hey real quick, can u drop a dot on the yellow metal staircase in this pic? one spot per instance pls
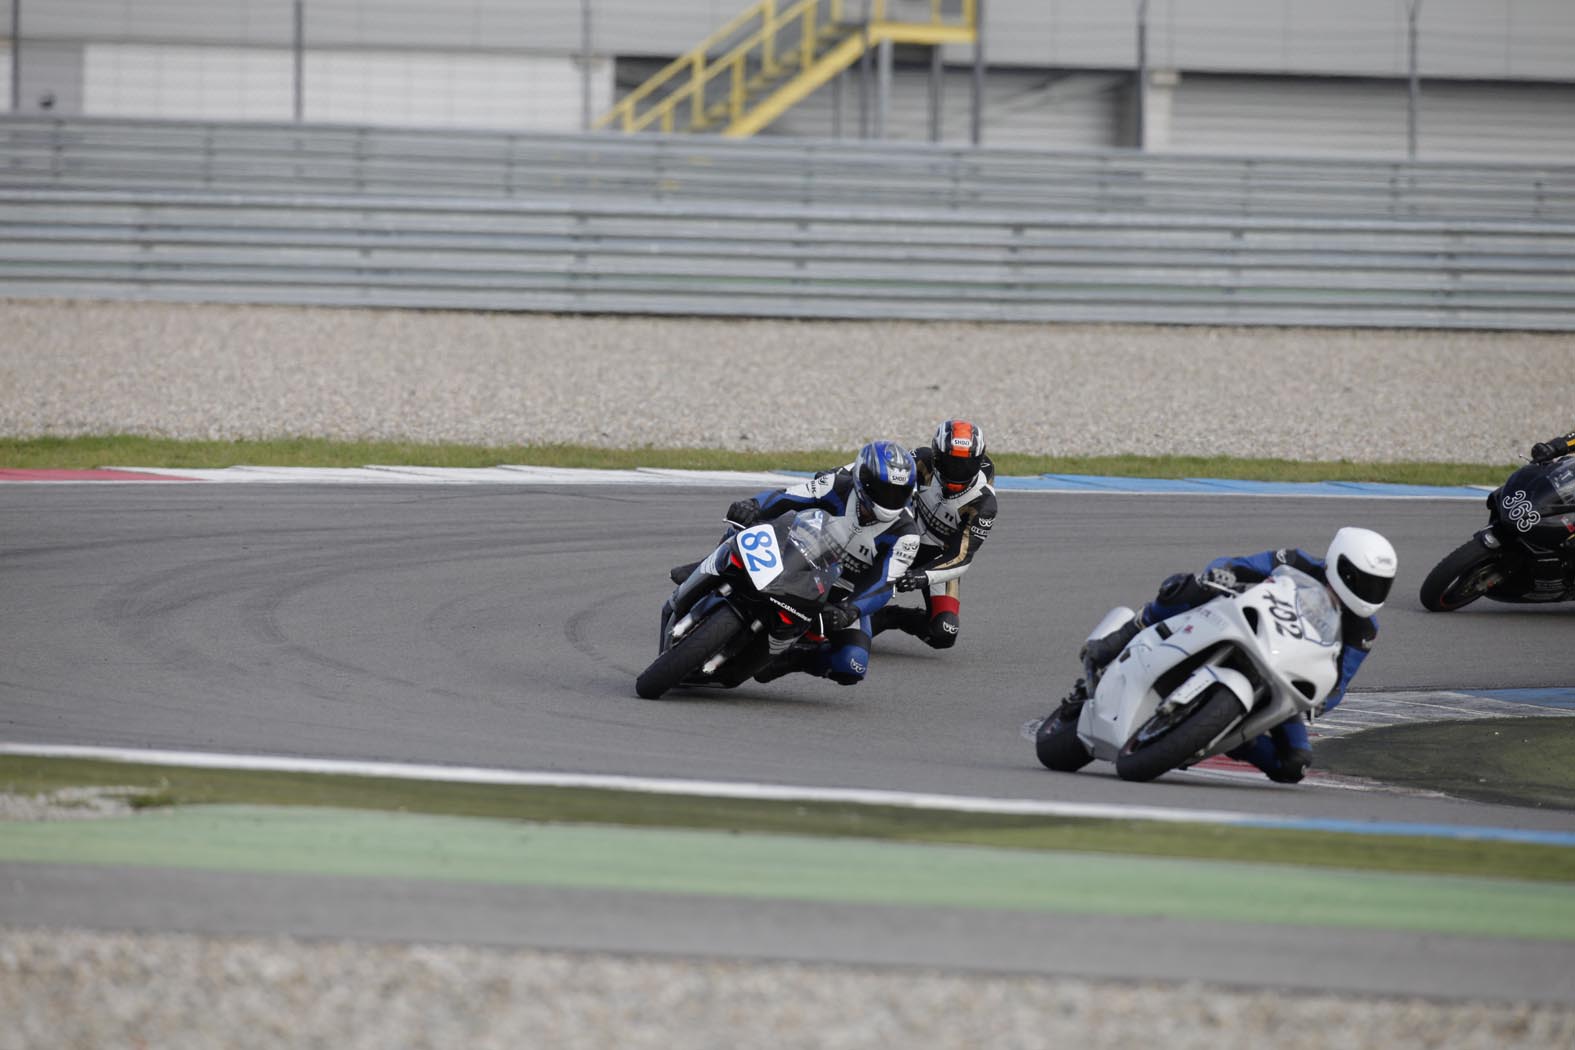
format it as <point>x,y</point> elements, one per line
<point>773,55</point>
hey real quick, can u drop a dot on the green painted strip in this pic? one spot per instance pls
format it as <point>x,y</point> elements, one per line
<point>389,845</point>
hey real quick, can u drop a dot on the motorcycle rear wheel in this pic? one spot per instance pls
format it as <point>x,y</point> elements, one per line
<point>1174,742</point>
<point>1057,745</point>
<point>686,656</point>
<point>1464,575</point>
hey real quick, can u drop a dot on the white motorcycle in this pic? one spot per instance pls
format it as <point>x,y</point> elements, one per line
<point>1204,681</point>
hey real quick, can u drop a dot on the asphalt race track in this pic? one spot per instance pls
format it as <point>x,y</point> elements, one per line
<point>503,626</point>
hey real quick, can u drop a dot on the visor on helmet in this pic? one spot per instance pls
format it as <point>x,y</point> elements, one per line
<point>957,470</point>
<point>1365,585</point>
<point>891,496</point>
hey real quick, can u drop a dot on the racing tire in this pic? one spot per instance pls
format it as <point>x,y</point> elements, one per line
<point>687,655</point>
<point>1464,575</point>
<point>1178,736</point>
<point>1057,745</point>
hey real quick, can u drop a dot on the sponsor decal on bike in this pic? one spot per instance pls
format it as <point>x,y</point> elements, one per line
<point>788,609</point>
<point>1518,509</point>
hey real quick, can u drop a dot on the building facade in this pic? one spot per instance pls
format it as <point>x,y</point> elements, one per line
<point>1435,79</point>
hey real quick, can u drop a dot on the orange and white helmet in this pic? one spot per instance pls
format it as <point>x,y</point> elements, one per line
<point>959,453</point>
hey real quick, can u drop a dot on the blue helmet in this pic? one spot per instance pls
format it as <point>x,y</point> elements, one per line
<point>884,476</point>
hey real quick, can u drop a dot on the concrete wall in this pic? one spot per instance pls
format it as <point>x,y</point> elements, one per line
<point>1277,76</point>
<point>1496,39</point>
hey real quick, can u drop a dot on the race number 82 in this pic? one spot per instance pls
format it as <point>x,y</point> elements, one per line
<point>759,545</point>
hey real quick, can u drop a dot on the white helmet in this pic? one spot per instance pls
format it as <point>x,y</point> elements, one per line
<point>1360,566</point>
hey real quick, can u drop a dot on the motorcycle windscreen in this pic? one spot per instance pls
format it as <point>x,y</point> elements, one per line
<point>817,542</point>
<point>1315,606</point>
<point>1538,503</point>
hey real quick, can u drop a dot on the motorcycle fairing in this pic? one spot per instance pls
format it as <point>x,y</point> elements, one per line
<point>1223,640</point>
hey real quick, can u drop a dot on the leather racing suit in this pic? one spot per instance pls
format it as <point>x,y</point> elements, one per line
<point>1283,753</point>
<point>877,554</point>
<point>954,528</point>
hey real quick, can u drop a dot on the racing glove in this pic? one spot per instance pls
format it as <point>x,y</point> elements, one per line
<point>838,616</point>
<point>743,513</point>
<point>1544,451</point>
<point>912,581</point>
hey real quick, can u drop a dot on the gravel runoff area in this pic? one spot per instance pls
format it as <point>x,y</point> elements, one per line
<point>92,990</point>
<point>225,372</point>
<point>228,372</point>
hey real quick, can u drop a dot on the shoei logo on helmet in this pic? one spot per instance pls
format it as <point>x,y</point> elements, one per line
<point>896,465</point>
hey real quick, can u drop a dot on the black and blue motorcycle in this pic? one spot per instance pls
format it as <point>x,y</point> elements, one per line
<point>1527,551</point>
<point>761,590</point>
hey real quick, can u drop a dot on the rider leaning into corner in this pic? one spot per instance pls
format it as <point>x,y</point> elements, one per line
<point>1359,568</point>
<point>873,493</point>
<point>1551,449</point>
<point>955,505</point>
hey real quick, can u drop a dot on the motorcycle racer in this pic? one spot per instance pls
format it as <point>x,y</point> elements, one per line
<point>873,493</point>
<point>1359,567</point>
<point>956,506</point>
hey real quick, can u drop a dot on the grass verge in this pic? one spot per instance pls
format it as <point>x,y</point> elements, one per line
<point>168,785</point>
<point>1512,761</point>
<point>81,453</point>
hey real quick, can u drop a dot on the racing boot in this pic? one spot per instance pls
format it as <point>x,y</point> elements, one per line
<point>1100,651</point>
<point>1072,703</point>
<point>805,658</point>
<point>679,573</point>
<point>913,621</point>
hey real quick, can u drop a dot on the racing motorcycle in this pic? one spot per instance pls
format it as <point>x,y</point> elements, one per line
<point>1527,551</point>
<point>747,603</point>
<point>1204,681</point>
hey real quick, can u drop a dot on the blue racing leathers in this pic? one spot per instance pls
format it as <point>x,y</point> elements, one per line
<point>1284,752</point>
<point>877,553</point>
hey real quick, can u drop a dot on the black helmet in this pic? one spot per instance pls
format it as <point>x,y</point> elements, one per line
<point>884,478</point>
<point>959,453</point>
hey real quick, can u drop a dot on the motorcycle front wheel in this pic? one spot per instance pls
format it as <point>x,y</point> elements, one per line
<point>1169,739</point>
<point>1466,574</point>
<point>689,653</point>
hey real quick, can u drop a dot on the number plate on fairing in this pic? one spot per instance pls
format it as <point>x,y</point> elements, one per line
<point>762,560</point>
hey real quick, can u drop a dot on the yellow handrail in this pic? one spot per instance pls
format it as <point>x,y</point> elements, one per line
<point>705,72</point>
<point>699,70</point>
<point>695,56</point>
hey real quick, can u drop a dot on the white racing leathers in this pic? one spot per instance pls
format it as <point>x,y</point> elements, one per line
<point>955,527</point>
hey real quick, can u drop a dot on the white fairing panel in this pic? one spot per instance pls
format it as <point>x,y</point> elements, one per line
<point>1284,626</point>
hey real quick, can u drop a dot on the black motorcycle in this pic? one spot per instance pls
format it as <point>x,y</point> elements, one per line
<point>759,592</point>
<point>1527,551</point>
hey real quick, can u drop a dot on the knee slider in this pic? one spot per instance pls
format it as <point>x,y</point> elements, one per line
<point>1293,766</point>
<point>849,664</point>
<point>943,631</point>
